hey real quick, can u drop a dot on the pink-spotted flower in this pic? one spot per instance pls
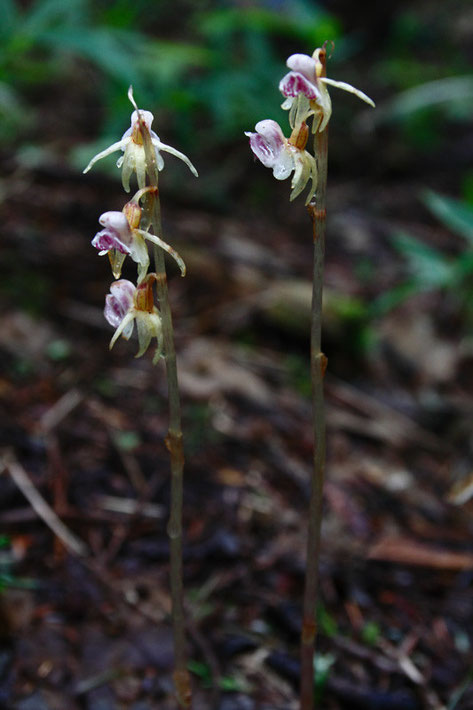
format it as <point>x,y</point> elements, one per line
<point>285,156</point>
<point>131,143</point>
<point>306,80</point>
<point>121,237</point>
<point>127,304</point>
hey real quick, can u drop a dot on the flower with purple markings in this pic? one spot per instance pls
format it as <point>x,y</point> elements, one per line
<point>121,237</point>
<point>127,304</point>
<point>118,240</point>
<point>305,79</point>
<point>285,156</point>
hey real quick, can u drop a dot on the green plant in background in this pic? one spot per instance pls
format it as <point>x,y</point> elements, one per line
<point>429,89</point>
<point>8,579</point>
<point>307,99</point>
<point>199,63</point>
<point>432,269</point>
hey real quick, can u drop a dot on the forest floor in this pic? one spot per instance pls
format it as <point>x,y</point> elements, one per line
<point>86,626</point>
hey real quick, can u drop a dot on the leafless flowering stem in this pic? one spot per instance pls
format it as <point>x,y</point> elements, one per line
<point>174,437</point>
<point>318,363</point>
<point>306,97</point>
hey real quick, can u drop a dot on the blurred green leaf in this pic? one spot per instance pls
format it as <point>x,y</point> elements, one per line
<point>327,622</point>
<point>9,15</point>
<point>112,51</point>
<point>453,94</point>
<point>46,13</point>
<point>454,214</point>
<point>127,440</point>
<point>58,350</point>
<point>430,268</point>
<point>323,663</point>
<point>370,633</point>
<point>391,298</point>
<point>308,22</point>
<point>201,670</point>
<point>230,684</point>
<point>166,61</point>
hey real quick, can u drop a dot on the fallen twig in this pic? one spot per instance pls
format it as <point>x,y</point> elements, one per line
<point>41,507</point>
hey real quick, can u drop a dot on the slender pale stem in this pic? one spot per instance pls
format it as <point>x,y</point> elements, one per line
<point>318,363</point>
<point>173,439</point>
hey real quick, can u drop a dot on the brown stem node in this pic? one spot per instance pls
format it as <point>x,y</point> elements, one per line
<point>183,688</point>
<point>309,631</point>
<point>174,444</point>
<point>323,362</point>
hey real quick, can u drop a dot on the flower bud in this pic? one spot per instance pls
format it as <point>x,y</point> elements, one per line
<point>144,299</point>
<point>299,136</point>
<point>132,212</point>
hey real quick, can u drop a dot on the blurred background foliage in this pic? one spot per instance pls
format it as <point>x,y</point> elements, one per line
<point>210,70</point>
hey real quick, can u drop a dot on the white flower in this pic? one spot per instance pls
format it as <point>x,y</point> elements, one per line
<point>131,143</point>
<point>121,236</point>
<point>117,239</point>
<point>283,156</point>
<point>305,78</point>
<point>126,305</point>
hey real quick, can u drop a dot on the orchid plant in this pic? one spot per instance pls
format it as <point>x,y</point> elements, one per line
<point>306,97</point>
<point>127,233</point>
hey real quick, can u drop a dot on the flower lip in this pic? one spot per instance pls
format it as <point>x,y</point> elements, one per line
<point>295,83</point>
<point>109,239</point>
<point>285,156</point>
<point>119,301</point>
<point>268,142</point>
<point>116,235</point>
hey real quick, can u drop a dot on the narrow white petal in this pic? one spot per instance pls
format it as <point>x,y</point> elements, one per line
<point>348,87</point>
<point>120,145</point>
<point>314,178</point>
<point>144,327</point>
<point>131,98</point>
<point>287,103</point>
<point>161,243</point>
<point>300,177</point>
<point>123,325</point>
<point>162,146</point>
<point>139,254</point>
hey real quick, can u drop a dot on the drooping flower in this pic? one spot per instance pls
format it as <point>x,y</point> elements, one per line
<point>121,236</point>
<point>306,79</point>
<point>131,143</point>
<point>127,304</point>
<point>285,156</point>
<point>117,239</point>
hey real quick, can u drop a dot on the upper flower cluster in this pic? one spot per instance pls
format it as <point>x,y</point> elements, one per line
<point>122,235</point>
<point>306,96</point>
<point>307,78</point>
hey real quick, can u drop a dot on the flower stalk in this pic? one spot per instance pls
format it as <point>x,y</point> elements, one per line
<point>318,364</point>
<point>307,98</point>
<point>174,441</point>
<point>127,233</point>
